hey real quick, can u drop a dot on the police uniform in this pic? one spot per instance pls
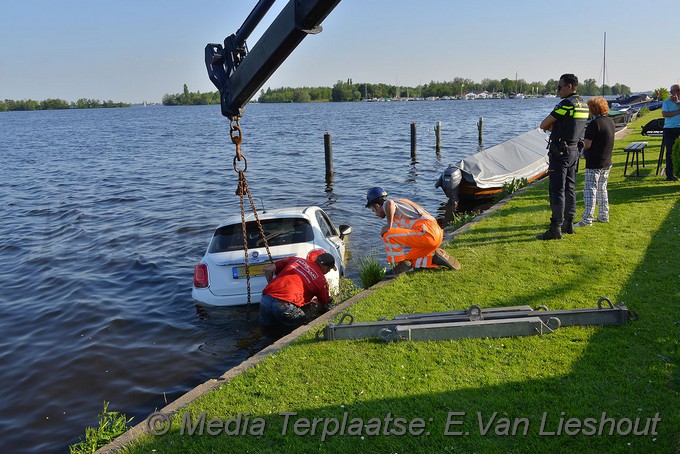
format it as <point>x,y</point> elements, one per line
<point>571,115</point>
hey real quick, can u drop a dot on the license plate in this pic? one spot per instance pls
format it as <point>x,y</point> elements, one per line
<point>255,270</point>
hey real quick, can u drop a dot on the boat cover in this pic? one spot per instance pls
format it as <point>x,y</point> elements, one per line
<point>524,156</point>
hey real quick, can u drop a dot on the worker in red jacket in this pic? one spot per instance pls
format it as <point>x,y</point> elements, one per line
<point>292,283</point>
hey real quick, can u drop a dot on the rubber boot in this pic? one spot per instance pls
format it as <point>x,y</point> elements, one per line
<point>553,233</point>
<point>568,226</point>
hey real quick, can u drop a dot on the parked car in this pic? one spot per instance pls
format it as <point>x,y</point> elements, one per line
<point>220,277</point>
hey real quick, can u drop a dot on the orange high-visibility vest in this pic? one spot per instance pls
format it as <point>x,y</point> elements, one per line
<point>414,235</point>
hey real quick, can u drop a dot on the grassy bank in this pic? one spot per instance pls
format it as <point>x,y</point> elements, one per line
<point>506,395</point>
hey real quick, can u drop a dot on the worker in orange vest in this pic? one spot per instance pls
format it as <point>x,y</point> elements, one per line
<point>412,236</point>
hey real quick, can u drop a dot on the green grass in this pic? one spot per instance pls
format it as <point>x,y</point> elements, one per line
<point>628,371</point>
<point>347,289</point>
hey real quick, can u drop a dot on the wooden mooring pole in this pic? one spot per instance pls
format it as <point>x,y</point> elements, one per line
<point>328,153</point>
<point>438,136</point>
<point>413,141</point>
<point>480,126</point>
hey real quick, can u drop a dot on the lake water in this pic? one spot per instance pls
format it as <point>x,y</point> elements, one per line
<point>105,212</point>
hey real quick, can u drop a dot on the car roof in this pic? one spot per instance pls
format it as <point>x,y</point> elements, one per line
<point>288,212</point>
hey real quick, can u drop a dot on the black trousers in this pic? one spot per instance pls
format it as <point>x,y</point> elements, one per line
<point>670,135</point>
<point>562,174</point>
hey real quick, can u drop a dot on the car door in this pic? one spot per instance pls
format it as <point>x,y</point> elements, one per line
<point>332,236</point>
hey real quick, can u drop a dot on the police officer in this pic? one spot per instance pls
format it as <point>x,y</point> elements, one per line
<point>566,124</point>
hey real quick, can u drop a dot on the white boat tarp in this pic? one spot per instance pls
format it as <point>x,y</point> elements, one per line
<point>524,156</point>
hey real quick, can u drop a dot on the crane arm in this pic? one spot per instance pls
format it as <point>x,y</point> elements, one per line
<point>238,73</point>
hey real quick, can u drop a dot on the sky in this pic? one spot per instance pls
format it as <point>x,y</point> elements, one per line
<point>138,50</point>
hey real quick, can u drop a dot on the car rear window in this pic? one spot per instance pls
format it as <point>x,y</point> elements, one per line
<point>278,232</point>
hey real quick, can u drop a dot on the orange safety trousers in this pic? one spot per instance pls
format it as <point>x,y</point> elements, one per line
<point>416,244</point>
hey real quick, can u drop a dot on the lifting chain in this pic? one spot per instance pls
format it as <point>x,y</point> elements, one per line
<point>242,189</point>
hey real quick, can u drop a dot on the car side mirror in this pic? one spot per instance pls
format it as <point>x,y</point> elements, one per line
<point>345,230</point>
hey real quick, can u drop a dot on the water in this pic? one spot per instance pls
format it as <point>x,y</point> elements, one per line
<point>105,212</point>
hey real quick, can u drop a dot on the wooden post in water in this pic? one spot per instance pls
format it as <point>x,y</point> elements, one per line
<point>328,153</point>
<point>438,136</point>
<point>413,141</point>
<point>480,126</point>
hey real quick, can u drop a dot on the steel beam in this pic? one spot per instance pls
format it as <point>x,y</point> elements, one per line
<point>501,320</point>
<point>347,329</point>
<point>526,326</point>
<point>471,311</point>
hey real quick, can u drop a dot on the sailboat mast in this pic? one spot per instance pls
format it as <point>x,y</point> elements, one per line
<point>604,62</point>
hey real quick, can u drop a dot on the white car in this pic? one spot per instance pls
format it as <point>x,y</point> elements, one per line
<point>220,277</point>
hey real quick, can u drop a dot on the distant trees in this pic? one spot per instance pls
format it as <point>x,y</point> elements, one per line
<point>662,93</point>
<point>300,95</point>
<point>187,98</point>
<point>345,91</point>
<point>589,87</point>
<point>56,104</point>
<point>288,94</point>
<point>340,92</point>
<point>460,86</point>
<point>349,91</point>
<point>620,89</point>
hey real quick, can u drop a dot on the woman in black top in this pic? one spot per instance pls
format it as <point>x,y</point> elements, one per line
<point>599,144</point>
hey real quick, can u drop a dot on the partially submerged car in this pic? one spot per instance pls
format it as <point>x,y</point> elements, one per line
<point>220,277</point>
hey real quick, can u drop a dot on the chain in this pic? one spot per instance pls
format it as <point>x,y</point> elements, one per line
<point>236,135</point>
<point>242,189</point>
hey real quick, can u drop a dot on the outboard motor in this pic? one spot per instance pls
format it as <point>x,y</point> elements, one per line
<point>449,181</point>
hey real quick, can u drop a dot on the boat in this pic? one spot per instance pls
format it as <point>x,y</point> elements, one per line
<point>516,94</point>
<point>484,174</point>
<point>631,100</point>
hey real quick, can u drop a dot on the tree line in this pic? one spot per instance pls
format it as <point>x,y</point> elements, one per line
<point>458,87</point>
<point>187,98</point>
<point>54,104</point>
<point>344,91</point>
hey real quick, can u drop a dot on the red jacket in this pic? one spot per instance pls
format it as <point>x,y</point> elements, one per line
<point>297,281</point>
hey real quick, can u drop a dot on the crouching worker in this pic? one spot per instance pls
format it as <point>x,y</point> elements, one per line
<point>412,236</point>
<point>292,283</point>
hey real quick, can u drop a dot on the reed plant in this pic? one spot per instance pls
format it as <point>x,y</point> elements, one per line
<point>459,220</point>
<point>514,186</point>
<point>371,271</point>
<point>111,425</point>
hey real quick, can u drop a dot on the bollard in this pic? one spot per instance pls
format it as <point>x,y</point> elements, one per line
<point>328,149</point>
<point>413,141</point>
<point>438,136</point>
<point>480,126</point>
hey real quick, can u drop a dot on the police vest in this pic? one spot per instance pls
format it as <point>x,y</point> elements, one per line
<point>571,114</point>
